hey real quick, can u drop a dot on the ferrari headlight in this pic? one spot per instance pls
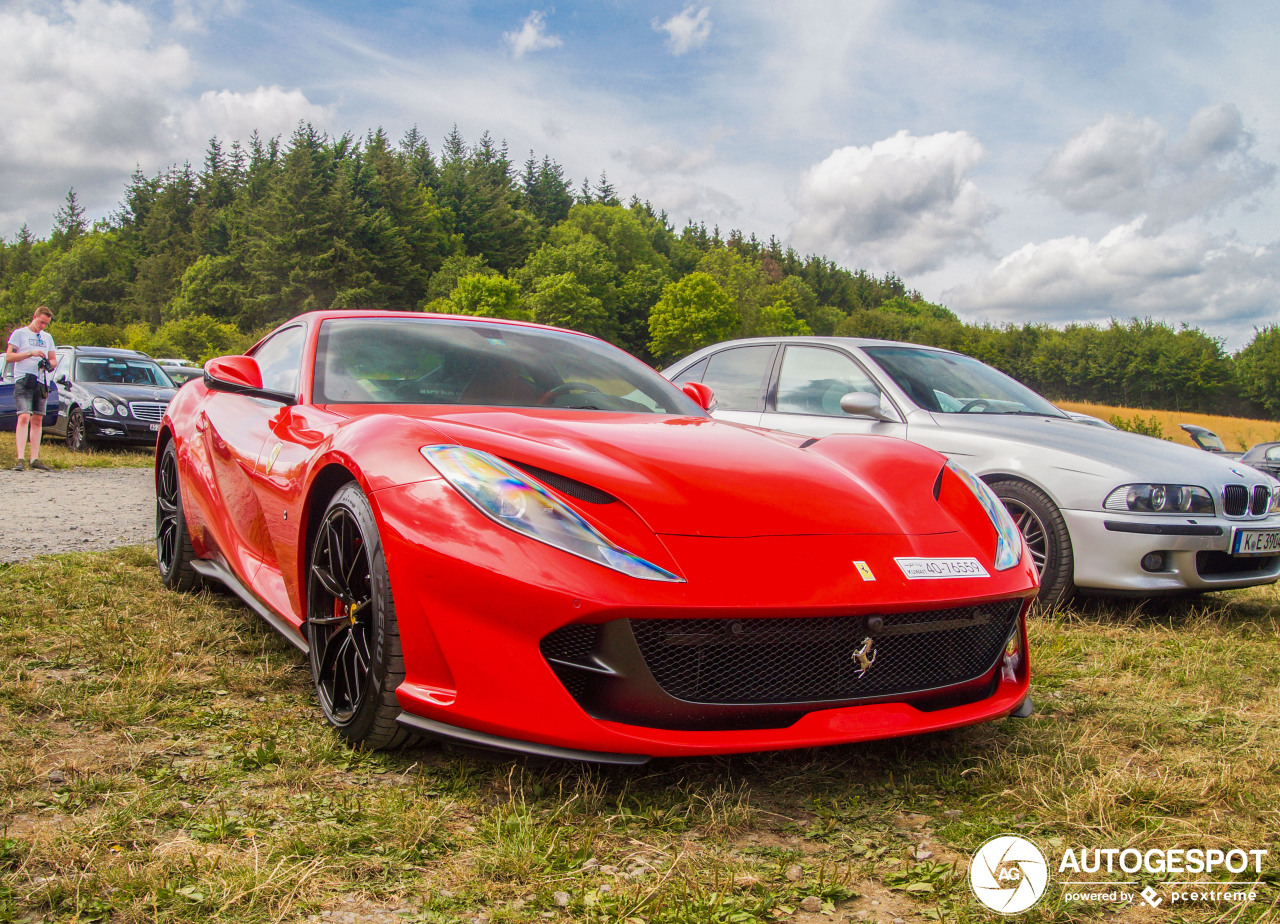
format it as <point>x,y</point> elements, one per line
<point>1008,538</point>
<point>1161,498</point>
<point>103,407</point>
<point>509,497</point>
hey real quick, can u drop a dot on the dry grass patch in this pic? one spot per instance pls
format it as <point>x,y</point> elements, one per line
<point>164,761</point>
<point>1237,433</point>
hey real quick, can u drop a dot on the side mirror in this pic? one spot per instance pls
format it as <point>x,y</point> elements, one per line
<point>240,375</point>
<point>701,394</point>
<point>863,404</point>
<point>61,379</point>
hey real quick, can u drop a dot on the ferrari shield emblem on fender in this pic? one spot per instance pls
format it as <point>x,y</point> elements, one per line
<point>271,460</point>
<point>865,656</point>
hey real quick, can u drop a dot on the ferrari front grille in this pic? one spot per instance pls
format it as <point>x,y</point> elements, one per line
<point>691,673</point>
<point>816,659</point>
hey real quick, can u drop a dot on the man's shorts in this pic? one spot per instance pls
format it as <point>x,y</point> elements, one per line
<point>25,398</point>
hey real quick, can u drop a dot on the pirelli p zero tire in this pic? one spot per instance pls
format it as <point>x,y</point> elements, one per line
<point>174,553</point>
<point>356,659</point>
<point>1046,536</point>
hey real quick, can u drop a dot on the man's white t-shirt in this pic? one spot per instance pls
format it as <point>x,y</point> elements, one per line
<point>23,339</point>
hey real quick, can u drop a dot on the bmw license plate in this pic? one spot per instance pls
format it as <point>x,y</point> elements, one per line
<point>1256,542</point>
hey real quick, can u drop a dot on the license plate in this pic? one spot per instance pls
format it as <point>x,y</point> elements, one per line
<point>155,428</point>
<point>1256,542</point>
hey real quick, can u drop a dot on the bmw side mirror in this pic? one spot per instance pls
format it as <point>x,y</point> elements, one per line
<point>240,375</point>
<point>863,404</point>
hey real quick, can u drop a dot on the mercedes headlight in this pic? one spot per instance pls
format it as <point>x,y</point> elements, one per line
<point>103,407</point>
<point>1161,498</point>
<point>512,499</point>
<point>1008,538</point>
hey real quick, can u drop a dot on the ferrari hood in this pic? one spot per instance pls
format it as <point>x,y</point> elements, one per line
<point>703,477</point>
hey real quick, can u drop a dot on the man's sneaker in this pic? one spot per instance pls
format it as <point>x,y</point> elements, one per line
<point>21,466</point>
<point>40,466</point>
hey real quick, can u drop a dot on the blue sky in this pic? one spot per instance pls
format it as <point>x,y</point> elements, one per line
<point>1016,162</point>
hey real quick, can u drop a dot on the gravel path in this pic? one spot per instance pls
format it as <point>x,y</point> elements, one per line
<point>75,510</point>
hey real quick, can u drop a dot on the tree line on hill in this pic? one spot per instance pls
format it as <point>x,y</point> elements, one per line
<point>202,262</point>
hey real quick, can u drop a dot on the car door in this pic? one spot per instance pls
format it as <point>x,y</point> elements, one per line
<point>232,430</point>
<point>739,378</point>
<point>806,393</point>
<point>8,409</point>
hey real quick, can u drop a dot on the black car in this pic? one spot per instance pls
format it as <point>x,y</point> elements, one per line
<point>9,410</point>
<point>109,396</point>
<point>180,375</point>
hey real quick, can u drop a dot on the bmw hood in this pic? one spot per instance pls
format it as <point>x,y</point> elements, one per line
<point>1069,444</point>
<point>703,477</point>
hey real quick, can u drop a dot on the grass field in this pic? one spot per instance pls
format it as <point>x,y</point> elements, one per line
<point>164,760</point>
<point>1238,433</point>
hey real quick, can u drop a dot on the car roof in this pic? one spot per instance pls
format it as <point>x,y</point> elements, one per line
<point>830,341</point>
<point>108,351</point>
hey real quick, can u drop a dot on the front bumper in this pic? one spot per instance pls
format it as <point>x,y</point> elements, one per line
<point>483,617</point>
<point>121,430</point>
<point>1109,548</point>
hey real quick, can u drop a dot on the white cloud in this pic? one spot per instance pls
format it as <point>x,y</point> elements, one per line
<point>532,36</point>
<point>1215,283</point>
<point>687,30</point>
<point>1124,166</point>
<point>904,204</point>
<point>90,94</point>
<point>235,116</point>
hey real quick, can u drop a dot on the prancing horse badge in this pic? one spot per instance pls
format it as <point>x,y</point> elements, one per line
<point>865,656</point>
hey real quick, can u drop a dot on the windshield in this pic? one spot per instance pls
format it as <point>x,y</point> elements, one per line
<point>112,370</point>
<point>434,361</point>
<point>955,384</point>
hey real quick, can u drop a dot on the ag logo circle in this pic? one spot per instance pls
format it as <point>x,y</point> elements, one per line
<point>1008,874</point>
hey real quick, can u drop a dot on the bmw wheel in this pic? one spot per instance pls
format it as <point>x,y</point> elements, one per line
<point>174,553</point>
<point>356,660</point>
<point>1045,533</point>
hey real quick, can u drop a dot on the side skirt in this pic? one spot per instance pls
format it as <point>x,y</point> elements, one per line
<point>485,740</point>
<point>216,571</point>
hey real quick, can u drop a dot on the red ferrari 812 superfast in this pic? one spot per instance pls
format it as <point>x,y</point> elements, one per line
<point>522,537</point>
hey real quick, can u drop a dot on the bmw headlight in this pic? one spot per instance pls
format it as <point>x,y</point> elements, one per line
<point>1008,538</point>
<point>103,407</point>
<point>509,497</point>
<point>1161,498</point>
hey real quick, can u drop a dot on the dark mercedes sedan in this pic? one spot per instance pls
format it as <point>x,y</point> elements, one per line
<point>109,396</point>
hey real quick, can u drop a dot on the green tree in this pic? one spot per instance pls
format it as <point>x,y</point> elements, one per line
<point>1257,369</point>
<point>692,313</point>
<point>563,301</point>
<point>489,296</point>
<point>778,320</point>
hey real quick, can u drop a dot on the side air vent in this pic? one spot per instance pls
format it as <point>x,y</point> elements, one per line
<point>574,489</point>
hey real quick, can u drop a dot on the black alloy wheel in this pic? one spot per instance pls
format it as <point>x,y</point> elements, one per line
<point>356,660</point>
<point>174,553</point>
<point>75,438</point>
<point>1045,533</point>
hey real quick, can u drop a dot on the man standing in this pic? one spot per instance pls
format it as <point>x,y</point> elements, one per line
<point>31,353</point>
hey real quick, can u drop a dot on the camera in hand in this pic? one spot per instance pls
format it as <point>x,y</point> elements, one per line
<point>43,365</point>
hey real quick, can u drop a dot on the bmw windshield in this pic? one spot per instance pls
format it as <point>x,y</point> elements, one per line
<point>950,383</point>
